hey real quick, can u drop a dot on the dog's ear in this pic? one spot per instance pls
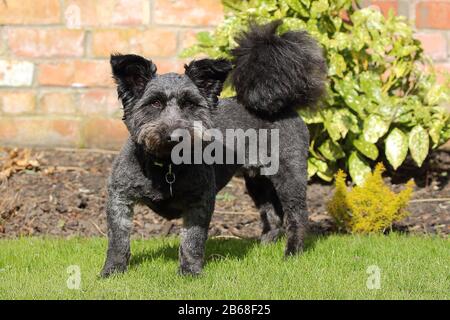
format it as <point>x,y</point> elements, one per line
<point>209,76</point>
<point>131,74</point>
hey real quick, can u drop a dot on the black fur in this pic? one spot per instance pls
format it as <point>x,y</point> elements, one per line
<point>274,72</point>
<point>131,73</point>
<point>209,75</point>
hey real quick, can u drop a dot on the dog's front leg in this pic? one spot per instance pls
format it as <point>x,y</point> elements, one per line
<point>193,241</point>
<point>119,217</point>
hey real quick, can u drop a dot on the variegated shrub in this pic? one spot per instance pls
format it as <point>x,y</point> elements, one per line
<point>383,101</point>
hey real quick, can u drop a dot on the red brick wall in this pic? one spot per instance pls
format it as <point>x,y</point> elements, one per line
<point>55,83</point>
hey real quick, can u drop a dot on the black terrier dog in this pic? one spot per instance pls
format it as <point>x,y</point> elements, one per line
<point>272,75</point>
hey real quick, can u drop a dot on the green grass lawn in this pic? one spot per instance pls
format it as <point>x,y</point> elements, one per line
<point>334,267</point>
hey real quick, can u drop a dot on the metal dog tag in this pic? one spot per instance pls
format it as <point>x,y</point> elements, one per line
<point>170,179</point>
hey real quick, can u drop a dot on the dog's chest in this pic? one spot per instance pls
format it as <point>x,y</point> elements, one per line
<point>171,195</point>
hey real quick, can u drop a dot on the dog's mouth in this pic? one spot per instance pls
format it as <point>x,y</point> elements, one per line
<point>160,140</point>
<point>156,143</point>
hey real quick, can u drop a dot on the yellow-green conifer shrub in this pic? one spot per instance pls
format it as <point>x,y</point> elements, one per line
<point>368,208</point>
<point>338,206</point>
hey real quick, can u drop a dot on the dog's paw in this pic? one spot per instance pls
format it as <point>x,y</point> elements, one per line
<point>189,271</point>
<point>110,269</point>
<point>271,236</point>
<point>293,250</point>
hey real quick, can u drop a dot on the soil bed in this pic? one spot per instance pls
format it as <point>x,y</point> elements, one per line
<point>64,195</point>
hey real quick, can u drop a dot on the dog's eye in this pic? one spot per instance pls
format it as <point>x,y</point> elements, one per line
<point>156,104</point>
<point>189,104</point>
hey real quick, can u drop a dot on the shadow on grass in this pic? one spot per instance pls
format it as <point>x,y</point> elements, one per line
<point>216,249</point>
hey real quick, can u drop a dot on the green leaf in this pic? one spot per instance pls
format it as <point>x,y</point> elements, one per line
<point>358,168</point>
<point>191,51</point>
<point>334,124</point>
<point>407,50</point>
<point>360,38</point>
<point>312,169</point>
<point>435,131</point>
<point>350,120</point>
<point>389,107</point>
<point>396,147</point>
<point>204,38</point>
<point>326,176</point>
<point>321,168</point>
<point>310,115</point>
<point>232,5</point>
<point>347,90</point>
<point>325,171</point>
<point>337,65</point>
<point>292,24</point>
<point>331,151</point>
<point>374,128</point>
<point>370,84</point>
<point>307,3</point>
<point>269,5</point>
<point>297,6</point>
<point>319,164</point>
<point>419,144</point>
<point>337,21</point>
<point>445,135</point>
<point>436,94</point>
<point>318,6</point>
<point>368,149</point>
<point>340,41</point>
<point>400,69</point>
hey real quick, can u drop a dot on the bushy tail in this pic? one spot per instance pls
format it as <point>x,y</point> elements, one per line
<point>274,72</point>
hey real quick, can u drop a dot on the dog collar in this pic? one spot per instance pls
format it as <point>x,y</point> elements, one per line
<point>169,176</point>
<point>159,164</point>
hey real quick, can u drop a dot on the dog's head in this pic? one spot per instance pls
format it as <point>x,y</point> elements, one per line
<point>157,105</point>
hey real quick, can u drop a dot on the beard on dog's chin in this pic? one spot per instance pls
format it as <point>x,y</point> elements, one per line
<point>159,139</point>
